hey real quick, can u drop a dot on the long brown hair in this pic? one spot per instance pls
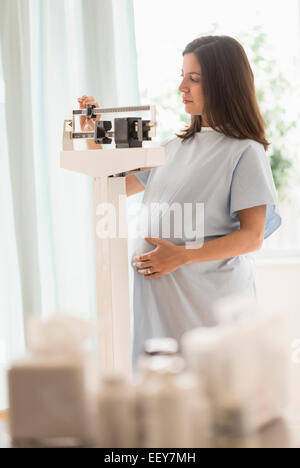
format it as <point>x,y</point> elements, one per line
<point>230,102</point>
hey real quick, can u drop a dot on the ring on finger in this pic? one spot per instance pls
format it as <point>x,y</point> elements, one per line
<point>146,271</point>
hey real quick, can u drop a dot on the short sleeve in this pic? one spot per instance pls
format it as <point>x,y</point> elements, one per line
<point>253,185</point>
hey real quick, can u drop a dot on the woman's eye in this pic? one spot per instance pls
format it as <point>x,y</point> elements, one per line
<point>195,81</point>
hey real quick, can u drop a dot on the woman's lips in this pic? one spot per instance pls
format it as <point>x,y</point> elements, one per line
<point>185,101</point>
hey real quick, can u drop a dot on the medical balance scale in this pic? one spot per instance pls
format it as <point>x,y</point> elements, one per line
<point>108,168</point>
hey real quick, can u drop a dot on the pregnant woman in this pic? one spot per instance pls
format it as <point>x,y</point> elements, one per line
<point>219,162</point>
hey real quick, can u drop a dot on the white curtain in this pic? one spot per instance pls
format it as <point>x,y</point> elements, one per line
<point>52,51</point>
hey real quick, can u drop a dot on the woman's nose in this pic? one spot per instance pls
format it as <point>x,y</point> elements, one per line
<point>182,89</point>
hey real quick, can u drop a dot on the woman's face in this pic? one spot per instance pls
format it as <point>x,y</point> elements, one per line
<point>191,85</point>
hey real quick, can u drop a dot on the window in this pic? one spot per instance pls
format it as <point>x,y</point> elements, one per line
<point>277,24</point>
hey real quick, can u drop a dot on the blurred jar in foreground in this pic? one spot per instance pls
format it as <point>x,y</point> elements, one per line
<point>116,420</point>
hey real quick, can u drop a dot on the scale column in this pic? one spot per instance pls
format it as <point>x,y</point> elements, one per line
<point>112,275</point>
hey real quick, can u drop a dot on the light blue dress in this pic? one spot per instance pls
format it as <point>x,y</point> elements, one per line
<point>226,175</point>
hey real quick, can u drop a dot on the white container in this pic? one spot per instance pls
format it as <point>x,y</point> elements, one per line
<point>50,399</point>
<point>245,362</point>
<point>163,419</point>
<point>146,382</point>
<point>198,410</point>
<point>52,390</point>
<point>116,412</point>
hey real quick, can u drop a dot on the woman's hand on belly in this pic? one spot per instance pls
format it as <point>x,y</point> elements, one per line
<point>166,258</point>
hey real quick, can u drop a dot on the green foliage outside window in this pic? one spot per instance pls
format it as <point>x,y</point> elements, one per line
<point>271,85</point>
